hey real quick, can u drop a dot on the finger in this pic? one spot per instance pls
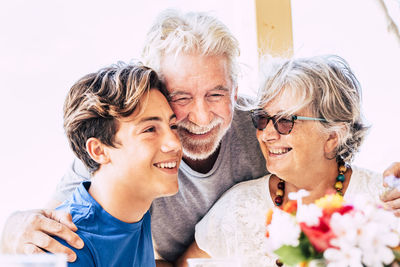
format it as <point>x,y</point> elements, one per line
<point>30,249</point>
<point>393,169</point>
<point>54,228</point>
<point>43,241</point>
<point>396,213</point>
<point>390,195</point>
<point>384,183</point>
<point>393,204</point>
<point>62,217</point>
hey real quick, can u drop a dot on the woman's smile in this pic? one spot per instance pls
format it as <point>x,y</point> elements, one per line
<point>278,151</point>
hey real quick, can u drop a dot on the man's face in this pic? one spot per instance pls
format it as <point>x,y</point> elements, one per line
<point>148,151</point>
<point>202,97</point>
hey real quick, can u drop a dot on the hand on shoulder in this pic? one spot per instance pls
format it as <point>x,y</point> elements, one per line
<point>28,232</point>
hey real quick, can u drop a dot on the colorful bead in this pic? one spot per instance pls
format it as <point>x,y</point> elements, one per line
<point>340,178</point>
<point>281,185</point>
<point>342,168</point>
<point>278,200</point>
<point>338,185</point>
<point>279,192</point>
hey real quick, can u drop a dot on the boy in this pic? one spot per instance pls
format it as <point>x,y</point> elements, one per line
<point>119,123</point>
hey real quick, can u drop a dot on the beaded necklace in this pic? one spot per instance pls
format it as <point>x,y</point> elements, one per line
<point>338,187</point>
<point>280,193</point>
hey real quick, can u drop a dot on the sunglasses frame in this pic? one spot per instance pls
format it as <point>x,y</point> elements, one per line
<point>262,113</point>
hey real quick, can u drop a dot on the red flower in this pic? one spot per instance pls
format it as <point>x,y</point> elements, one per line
<point>319,236</point>
<point>345,209</point>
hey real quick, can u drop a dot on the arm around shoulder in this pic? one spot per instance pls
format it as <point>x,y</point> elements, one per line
<point>27,232</point>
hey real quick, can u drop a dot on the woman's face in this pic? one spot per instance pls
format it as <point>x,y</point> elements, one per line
<point>302,150</point>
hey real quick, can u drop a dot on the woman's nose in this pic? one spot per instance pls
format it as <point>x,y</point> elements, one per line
<point>269,133</point>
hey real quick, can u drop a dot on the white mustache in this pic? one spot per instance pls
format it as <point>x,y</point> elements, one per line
<point>195,129</point>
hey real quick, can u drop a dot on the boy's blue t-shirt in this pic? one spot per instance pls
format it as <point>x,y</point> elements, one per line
<point>108,241</point>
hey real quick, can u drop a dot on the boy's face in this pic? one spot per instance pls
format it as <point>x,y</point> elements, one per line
<point>148,151</point>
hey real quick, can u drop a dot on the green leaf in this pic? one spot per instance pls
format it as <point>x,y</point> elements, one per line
<point>308,250</point>
<point>396,255</point>
<point>290,255</point>
<point>294,255</point>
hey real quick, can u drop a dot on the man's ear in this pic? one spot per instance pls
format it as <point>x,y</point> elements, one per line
<point>331,144</point>
<point>97,150</point>
<point>236,92</point>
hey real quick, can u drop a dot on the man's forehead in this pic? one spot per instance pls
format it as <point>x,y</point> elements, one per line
<point>195,73</point>
<point>194,65</point>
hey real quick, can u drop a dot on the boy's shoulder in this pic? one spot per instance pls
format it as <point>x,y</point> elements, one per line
<point>108,241</point>
<point>84,256</point>
<point>80,205</point>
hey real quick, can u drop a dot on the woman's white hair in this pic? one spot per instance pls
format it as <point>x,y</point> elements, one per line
<point>325,85</point>
<point>174,32</point>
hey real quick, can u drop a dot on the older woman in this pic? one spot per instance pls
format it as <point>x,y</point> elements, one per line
<point>309,127</point>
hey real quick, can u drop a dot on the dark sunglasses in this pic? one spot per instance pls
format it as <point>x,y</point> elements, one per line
<point>282,125</point>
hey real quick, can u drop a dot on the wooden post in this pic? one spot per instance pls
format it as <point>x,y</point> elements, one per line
<point>274,27</point>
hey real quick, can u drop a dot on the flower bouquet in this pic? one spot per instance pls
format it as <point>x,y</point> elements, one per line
<point>333,232</point>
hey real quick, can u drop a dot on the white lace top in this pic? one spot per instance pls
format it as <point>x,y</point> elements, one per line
<point>235,226</point>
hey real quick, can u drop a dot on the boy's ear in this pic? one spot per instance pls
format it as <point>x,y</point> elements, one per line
<point>97,150</point>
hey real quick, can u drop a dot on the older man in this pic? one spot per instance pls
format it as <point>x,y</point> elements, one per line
<point>196,56</point>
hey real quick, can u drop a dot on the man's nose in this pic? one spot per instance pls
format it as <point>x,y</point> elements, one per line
<point>200,113</point>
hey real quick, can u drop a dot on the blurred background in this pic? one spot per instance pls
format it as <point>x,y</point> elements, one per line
<point>46,45</point>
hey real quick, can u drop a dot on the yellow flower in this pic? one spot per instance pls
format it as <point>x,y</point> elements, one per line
<point>330,202</point>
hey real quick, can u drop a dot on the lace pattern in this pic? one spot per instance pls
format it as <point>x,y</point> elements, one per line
<point>235,226</point>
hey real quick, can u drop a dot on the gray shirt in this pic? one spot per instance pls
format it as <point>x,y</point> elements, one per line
<point>173,218</point>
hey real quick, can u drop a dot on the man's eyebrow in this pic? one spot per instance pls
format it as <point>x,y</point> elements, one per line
<point>220,88</point>
<point>178,93</point>
<point>216,88</point>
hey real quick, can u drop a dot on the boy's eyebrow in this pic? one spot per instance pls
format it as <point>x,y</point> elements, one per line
<point>155,118</point>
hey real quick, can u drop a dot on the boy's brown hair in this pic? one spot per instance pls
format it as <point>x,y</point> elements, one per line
<point>95,102</point>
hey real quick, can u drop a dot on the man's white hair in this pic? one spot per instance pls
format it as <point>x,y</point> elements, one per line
<point>199,33</point>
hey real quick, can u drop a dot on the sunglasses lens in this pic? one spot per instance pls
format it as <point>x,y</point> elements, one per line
<point>284,126</point>
<point>259,121</point>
